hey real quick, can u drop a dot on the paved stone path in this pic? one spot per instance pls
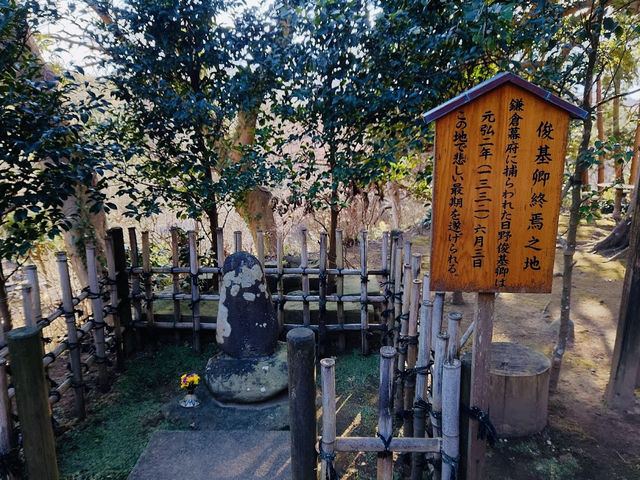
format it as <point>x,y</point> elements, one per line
<point>215,455</point>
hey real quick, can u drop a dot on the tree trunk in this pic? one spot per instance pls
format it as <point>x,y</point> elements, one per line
<point>333,226</point>
<point>636,146</point>
<point>256,208</point>
<point>5,311</point>
<point>625,365</point>
<point>396,209</point>
<point>618,239</point>
<point>617,204</point>
<point>576,200</point>
<point>212,216</point>
<point>600,123</point>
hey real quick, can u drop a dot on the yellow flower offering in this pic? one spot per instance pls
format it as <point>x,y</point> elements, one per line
<point>189,380</point>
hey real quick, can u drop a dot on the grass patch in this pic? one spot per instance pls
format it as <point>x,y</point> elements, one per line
<point>107,445</point>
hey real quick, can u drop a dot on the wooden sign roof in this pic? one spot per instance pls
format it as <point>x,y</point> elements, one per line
<point>491,84</point>
<point>499,162</point>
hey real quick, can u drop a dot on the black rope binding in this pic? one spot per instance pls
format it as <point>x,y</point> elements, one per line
<point>386,442</point>
<point>486,430</point>
<point>328,457</point>
<point>453,462</point>
<point>422,404</point>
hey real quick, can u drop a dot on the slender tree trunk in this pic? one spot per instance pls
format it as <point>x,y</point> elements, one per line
<point>600,123</point>
<point>5,311</point>
<point>618,165</point>
<point>636,146</point>
<point>396,209</point>
<point>576,199</point>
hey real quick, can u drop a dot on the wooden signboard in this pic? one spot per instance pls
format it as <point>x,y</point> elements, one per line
<point>497,185</point>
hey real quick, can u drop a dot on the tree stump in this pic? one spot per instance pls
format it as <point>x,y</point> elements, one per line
<point>519,389</point>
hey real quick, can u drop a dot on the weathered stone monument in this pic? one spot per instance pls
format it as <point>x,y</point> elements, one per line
<point>252,366</point>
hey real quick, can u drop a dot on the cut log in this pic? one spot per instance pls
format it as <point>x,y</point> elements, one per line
<point>519,389</point>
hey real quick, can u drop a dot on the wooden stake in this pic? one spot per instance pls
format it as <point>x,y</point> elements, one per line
<point>175,263</point>
<point>385,404</point>
<point>397,290</point>
<point>412,354</point>
<point>322,301</point>
<point>327,372</point>
<point>364,321</point>
<point>302,402</point>
<point>404,333</point>
<point>7,438</point>
<point>148,285</point>
<point>340,287</point>
<point>195,290</point>
<point>304,264</point>
<point>26,351</point>
<point>280,285</point>
<point>114,301</point>
<point>122,283</point>
<point>98,317</point>
<point>32,278</point>
<point>135,278</point>
<point>451,371</point>
<point>480,374</point>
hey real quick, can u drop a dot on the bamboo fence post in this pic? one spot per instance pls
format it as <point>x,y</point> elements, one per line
<point>237,241</point>
<point>98,317</point>
<point>436,385</point>
<point>385,405</point>
<point>342,340</point>
<point>122,283</point>
<point>384,283</point>
<point>364,279</point>
<point>7,440</point>
<point>27,306</point>
<point>412,354</point>
<point>322,300</point>
<point>302,402</point>
<point>451,371</point>
<point>148,285</point>
<point>175,262</point>
<point>328,439</point>
<point>397,290</point>
<point>195,290</point>
<point>260,246</point>
<point>407,252</point>
<point>135,277</point>
<point>304,264</point>
<point>32,398</point>
<point>453,329</point>
<point>422,364</point>
<point>220,255</point>
<point>436,318</point>
<point>403,341</point>
<point>72,333</point>
<point>114,301</point>
<point>32,278</point>
<point>280,284</point>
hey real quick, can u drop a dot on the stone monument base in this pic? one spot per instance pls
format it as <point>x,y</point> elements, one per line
<point>247,380</point>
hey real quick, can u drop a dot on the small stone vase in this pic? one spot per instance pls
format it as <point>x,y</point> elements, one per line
<point>190,400</point>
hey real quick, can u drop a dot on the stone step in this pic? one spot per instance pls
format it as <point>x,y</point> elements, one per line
<point>215,455</point>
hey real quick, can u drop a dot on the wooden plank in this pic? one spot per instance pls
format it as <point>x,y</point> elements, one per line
<point>497,186</point>
<point>480,380</point>
<point>398,444</point>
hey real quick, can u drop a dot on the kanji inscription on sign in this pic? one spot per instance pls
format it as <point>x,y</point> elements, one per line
<point>499,166</point>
